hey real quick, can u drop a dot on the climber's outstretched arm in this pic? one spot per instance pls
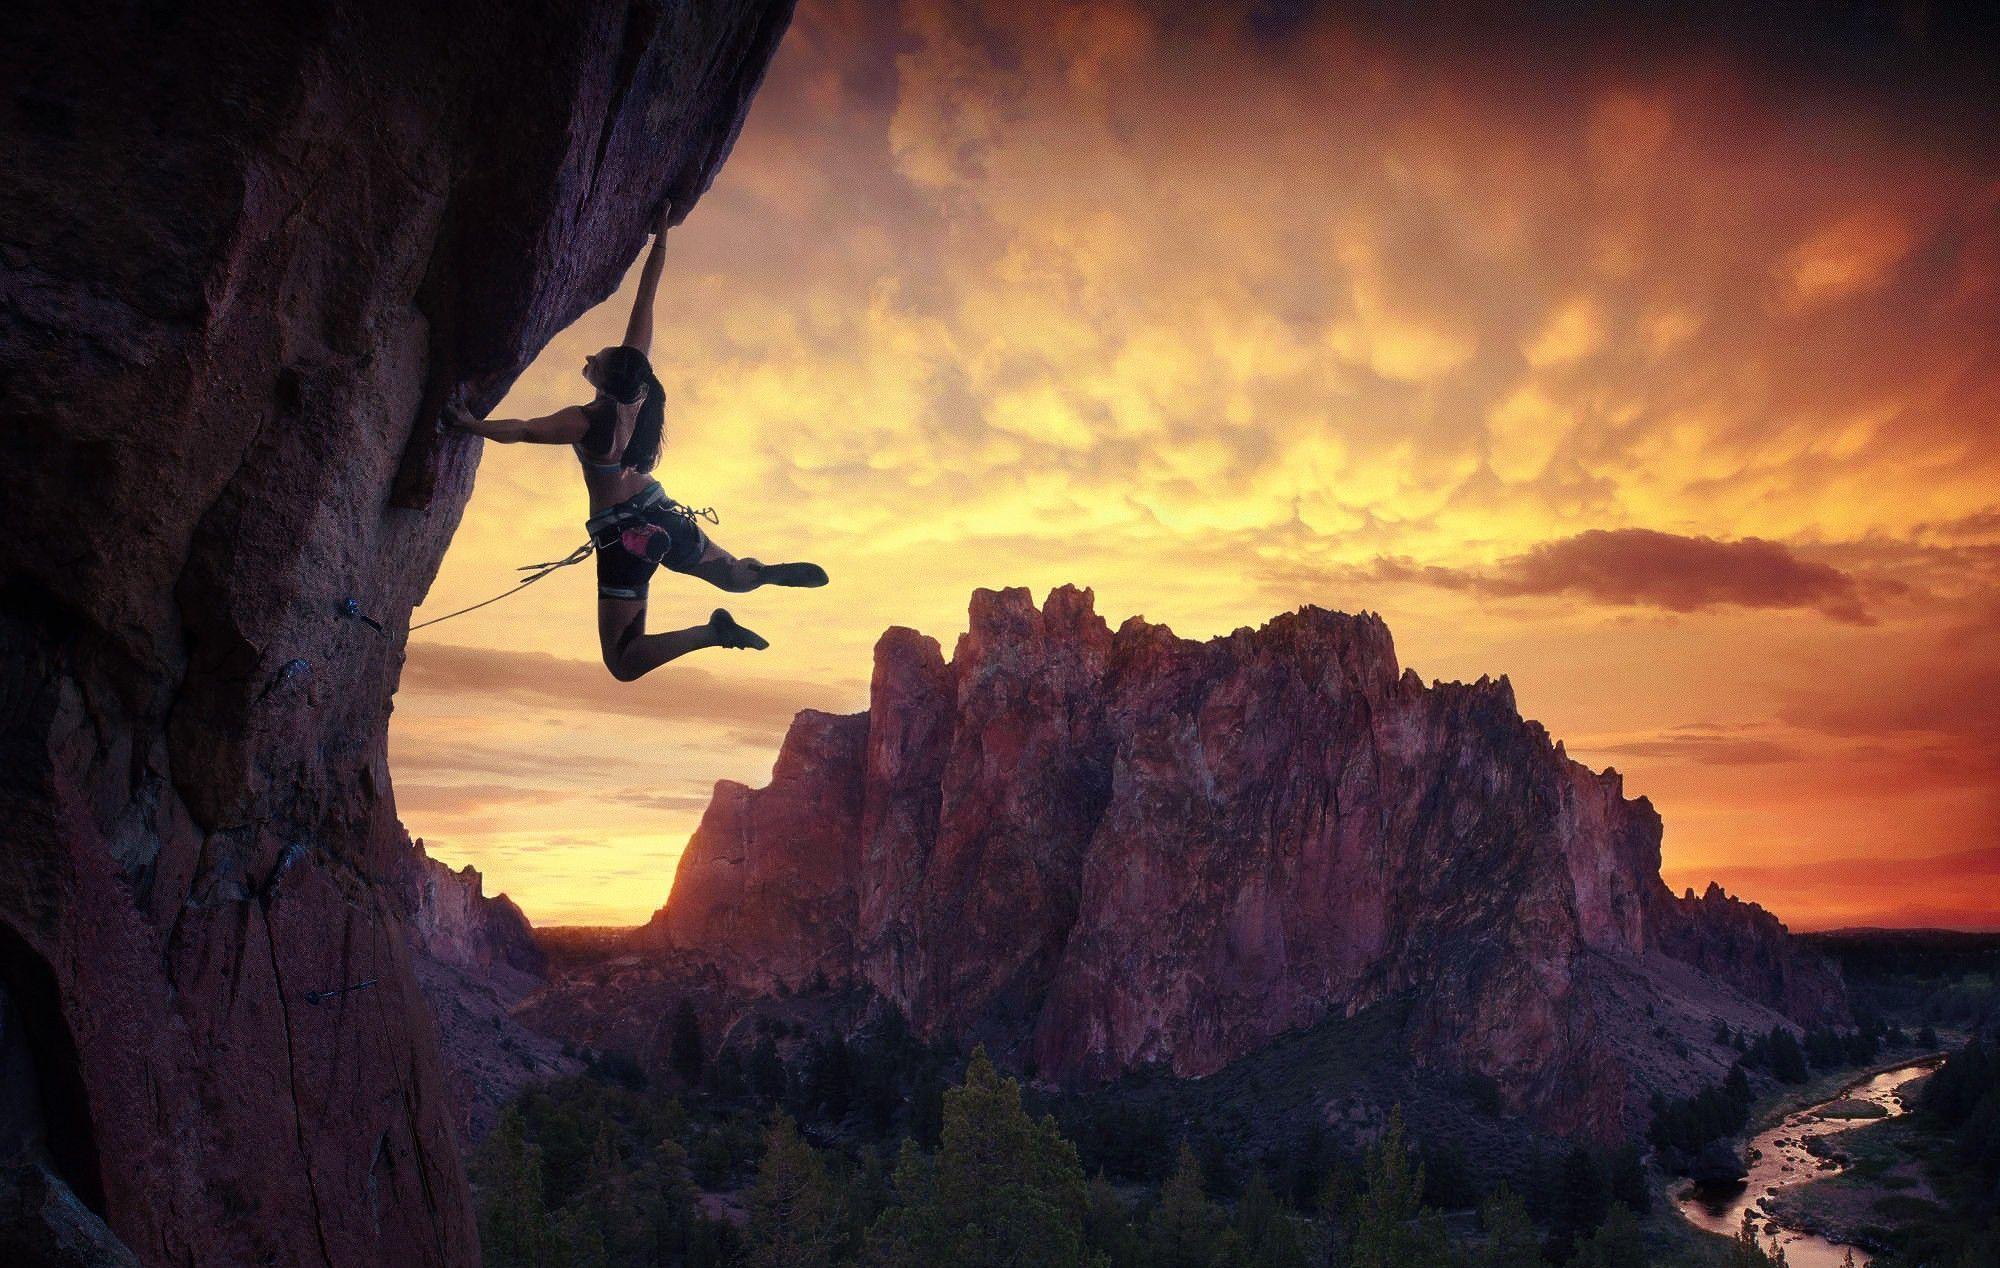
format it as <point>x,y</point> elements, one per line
<point>639,330</point>
<point>564,427</point>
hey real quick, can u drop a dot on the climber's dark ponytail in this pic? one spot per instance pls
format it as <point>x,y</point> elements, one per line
<point>626,373</point>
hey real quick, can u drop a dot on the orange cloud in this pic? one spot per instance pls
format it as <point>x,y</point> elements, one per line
<point>575,686</point>
<point>1657,357</point>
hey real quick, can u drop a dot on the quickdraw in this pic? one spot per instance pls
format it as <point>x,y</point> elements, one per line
<point>320,997</point>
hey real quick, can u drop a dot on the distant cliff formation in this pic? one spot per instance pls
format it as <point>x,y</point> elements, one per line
<point>451,920</point>
<point>476,959</point>
<point>1095,849</point>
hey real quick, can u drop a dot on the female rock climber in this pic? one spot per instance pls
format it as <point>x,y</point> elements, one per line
<point>633,524</point>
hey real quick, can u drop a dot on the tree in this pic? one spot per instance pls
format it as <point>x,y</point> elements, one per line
<point>927,1109</point>
<point>667,1201</point>
<point>767,1072</point>
<point>1615,1244</point>
<point>1628,1179</point>
<point>1583,1195</point>
<point>1265,1233</point>
<point>685,1053</point>
<point>1788,1060</point>
<point>1004,1189</point>
<point>514,1227</point>
<point>1393,1229</point>
<point>577,1241</point>
<point>827,1087</point>
<point>1184,1229</point>
<point>604,1222</point>
<point>1107,1227</point>
<point>1511,1239</point>
<point>795,1218</point>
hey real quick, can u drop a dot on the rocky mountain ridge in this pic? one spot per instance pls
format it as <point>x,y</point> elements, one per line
<point>1099,850</point>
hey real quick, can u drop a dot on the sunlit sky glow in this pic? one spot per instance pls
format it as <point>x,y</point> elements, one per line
<point>1663,381</point>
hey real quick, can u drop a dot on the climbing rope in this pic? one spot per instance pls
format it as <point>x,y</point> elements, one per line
<point>539,571</point>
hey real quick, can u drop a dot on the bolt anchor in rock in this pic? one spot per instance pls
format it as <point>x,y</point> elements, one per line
<point>292,854</point>
<point>320,997</point>
<point>351,609</point>
<point>289,672</point>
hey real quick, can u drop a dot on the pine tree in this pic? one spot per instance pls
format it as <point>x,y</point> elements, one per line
<point>578,1242</point>
<point>1511,1239</point>
<point>1184,1229</point>
<point>514,1227</point>
<point>1582,1197</point>
<point>1615,1244</point>
<point>1788,1060</point>
<point>1107,1227</point>
<point>767,1072</point>
<point>667,1202</point>
<point>1264,1234</point>
<point>608,1205</point>
<point>1004,1190</point>
<point>685,1053</point>
<point>1628,1179</point>
<point>795,1217</point>
<point>1392,1228</point>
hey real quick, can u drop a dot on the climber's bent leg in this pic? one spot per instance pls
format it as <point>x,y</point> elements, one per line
<point>725,571</point>
<point>630,652</point>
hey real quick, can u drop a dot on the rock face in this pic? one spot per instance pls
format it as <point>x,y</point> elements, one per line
<point>1095,850</point>
<point>248,252</point>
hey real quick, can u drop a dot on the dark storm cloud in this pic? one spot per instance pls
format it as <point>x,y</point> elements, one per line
<point>1642,567</point>
<point>1920,56</point>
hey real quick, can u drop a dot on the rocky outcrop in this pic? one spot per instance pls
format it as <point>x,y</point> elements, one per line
<point>476,960</point>
<point>1744,945</point>
<point>450,919</point>
<point>248,252</point>
<point>1098,850</point>
<point>771,917</point>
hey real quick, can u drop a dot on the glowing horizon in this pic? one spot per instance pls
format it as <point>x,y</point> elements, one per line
<point>1660,386</point>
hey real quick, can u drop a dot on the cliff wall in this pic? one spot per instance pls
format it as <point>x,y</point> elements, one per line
<point>247,252</point>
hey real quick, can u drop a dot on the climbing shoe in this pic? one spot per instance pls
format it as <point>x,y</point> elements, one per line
<point>791,575</point>
<point>729,634</point>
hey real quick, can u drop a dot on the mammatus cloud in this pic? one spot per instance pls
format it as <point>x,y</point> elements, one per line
<point>1639,567</point>
<point>1214,307</point>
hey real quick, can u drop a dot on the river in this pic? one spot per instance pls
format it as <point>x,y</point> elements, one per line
<point>1779,1161</point>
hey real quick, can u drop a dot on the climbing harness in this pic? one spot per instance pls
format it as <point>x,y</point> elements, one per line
<point>320,997</point>
<point>611,522</point>
<point>539,571</point>
<point>606,528</point>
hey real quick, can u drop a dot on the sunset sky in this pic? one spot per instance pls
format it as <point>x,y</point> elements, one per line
<point>1655,367</point>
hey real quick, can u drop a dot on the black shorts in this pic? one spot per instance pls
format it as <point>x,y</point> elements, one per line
<point>637,536</point>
